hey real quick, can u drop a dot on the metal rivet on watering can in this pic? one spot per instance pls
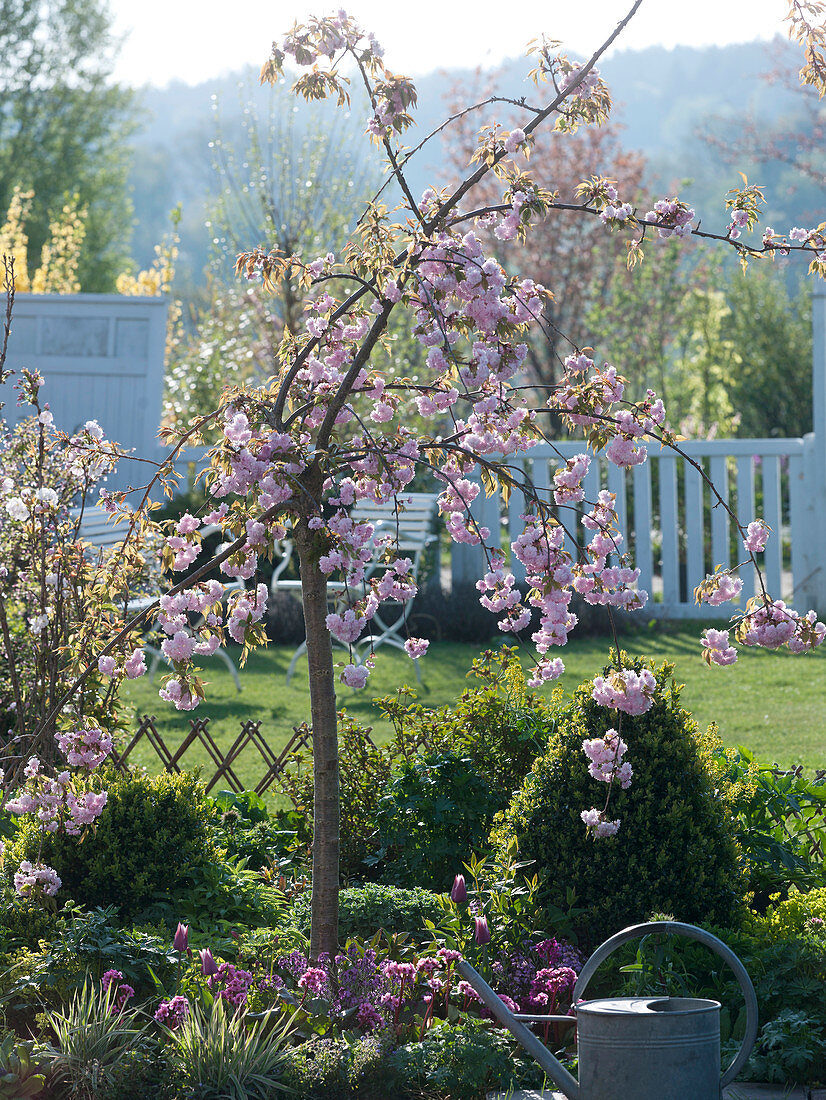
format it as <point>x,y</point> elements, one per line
<point>638,1048</point>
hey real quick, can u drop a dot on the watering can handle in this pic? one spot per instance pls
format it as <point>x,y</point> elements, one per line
<point>693,933</point>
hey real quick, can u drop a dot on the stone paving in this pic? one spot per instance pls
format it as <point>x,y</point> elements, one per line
<point>733,1092</point>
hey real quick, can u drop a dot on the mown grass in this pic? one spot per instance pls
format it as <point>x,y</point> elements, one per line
<point>770,702</point>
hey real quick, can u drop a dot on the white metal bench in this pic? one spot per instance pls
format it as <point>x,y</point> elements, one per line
<point>99,530</point>
<point>410,527</point>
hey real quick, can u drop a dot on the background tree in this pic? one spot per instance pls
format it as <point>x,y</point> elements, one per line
<point>64,126</point>
<point>763,343</point>
<point>572,255</point>
<point>298,187</point>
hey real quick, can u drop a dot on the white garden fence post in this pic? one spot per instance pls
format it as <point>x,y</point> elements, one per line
<point>811,536</point>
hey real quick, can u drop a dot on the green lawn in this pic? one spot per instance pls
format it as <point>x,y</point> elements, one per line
<point>770,702</point>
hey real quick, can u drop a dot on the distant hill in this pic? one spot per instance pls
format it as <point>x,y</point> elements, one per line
<point>663,98</point>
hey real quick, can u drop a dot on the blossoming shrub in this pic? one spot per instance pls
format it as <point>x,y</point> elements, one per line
<point>799,913</point>
<point>151,831</point>
<point>674,852</point>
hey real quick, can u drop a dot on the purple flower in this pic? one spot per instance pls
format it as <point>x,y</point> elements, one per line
<point>208,964</point>
<point>313,980</point>
<point>181,940</point>
<point>172,1013</point>
<point>368,1017</point>
<point>231,983</point>
<point>482,930</point>
<point>459,892</point>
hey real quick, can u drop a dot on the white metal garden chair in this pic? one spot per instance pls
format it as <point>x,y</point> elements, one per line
<point>99,530</point>
<point>410,526</point>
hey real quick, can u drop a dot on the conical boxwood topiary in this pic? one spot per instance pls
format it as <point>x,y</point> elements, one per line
<point>673,853</point>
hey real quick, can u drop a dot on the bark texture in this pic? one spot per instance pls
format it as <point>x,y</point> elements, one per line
<point>324,935</point>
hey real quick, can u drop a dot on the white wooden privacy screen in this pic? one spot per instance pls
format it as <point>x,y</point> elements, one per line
<point>102,358</point>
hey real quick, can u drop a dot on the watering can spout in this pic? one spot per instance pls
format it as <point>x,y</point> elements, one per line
<point>517,1026</point>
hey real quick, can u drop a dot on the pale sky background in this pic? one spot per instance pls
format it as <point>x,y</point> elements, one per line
<point>192,40</point>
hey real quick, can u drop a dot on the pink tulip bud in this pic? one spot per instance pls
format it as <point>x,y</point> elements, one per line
<point>482,930</point>
<point>181,940</point>
<point>459,892</point>
<point>208,964</point>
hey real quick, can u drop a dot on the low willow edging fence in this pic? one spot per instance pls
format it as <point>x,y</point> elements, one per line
<point>225,763</point>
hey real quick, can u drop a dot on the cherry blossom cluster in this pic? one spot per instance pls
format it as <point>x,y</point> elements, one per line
<point>772,624</point>
<point>605,755</point>
<point>718,588</point>
<point>84,748</point>
<point>672,217</point>
<point>757,535</point>
<point>739,219</point>
<point>596,581</point>
<point>33,879</point>
<point>589,399</point>
<point>815,239</point>
<point>626,690</point>
<point>392,98</point>
<point>568,488</point>
<point>616,215</point>
<point>540,549</point>
<point>598,825</point>
<point>132,667</point>
<point>56,801</point>
<point>716,648</point>
<point>323,38</point>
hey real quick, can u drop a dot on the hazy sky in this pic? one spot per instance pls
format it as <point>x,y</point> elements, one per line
<point>192,40</point>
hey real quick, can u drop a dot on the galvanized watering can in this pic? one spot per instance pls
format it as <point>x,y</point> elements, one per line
<point>637,1048</point>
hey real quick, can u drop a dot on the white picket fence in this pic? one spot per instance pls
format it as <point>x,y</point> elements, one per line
<point>674,529</point>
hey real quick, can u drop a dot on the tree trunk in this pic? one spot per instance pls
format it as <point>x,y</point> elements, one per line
<point>324,935</point>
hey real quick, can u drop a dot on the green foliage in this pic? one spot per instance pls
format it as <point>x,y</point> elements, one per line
<point>82,945</point>
<point>673,852</point>
<point>152,832</point>
<point>364,770</point>
<point>215,896</point>
<point>139,1074</point>
<point>498,888</point>
<point>247,830</point>
<point>90,1042</point>
<point>499,726</point>
<point>341,1069</point>
<point>788,1048</point>
<point>770,385</point>
<point>65,125</point>
<point>24,922</point>
<point>20,1070</point>
<point>462,1062</point>
<point>364,910</point>
<point>779,822</point>
<point>216,1056</point>
<point>435,810</point>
